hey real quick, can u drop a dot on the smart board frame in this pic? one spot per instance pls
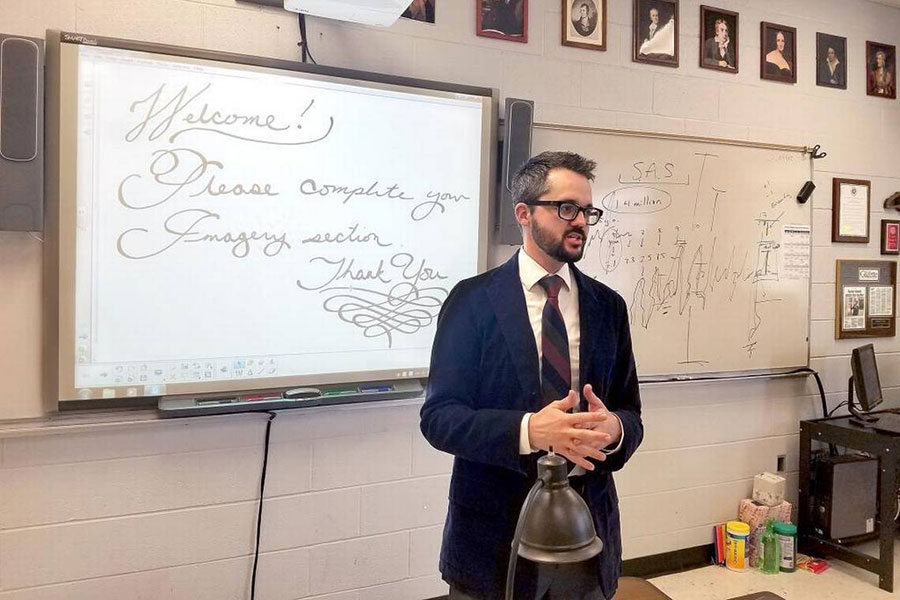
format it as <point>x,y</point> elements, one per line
<point>61,220</point>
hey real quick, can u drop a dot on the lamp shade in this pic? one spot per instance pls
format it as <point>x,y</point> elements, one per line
<point>558,527</point>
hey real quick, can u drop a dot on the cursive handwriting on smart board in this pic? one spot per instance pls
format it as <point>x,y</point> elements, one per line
<point>309,187</point>
<point>351,236</point>
<point>191,226</point>
<point>401,266</point>
<point>178,170</point>
<point>177,113</point>
<point>435,200</point>
<point>383,297</point>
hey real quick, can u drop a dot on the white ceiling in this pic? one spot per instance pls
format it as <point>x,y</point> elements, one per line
<point>888,2</point>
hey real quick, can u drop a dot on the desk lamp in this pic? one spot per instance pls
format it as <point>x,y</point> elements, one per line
<point>555,524</point>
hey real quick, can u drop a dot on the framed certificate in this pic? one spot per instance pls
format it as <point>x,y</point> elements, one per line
<point>890,236</point>
<point>850,210</point>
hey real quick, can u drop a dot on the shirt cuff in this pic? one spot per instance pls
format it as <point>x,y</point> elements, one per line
<point>621,437</point>
<point>524,441</point>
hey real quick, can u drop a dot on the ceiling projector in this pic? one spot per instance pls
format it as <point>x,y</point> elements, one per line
<point>368,12</point>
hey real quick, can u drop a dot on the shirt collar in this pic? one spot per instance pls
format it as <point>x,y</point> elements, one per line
<point>531,272</point>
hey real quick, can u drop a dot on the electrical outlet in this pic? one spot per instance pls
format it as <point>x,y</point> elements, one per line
<point>779,463</point>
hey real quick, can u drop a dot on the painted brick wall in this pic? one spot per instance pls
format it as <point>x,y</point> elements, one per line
<point>355,497</point>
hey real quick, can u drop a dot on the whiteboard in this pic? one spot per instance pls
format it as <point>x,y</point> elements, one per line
<point>239,227</point>
<point>707,244</point>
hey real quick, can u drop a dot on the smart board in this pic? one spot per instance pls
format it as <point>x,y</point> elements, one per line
<point>231,223</point>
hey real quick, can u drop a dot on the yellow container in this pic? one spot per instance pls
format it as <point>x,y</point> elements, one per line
<point>737,547</point>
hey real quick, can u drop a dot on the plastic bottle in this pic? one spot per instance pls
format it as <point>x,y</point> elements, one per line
<point>737,535</point>
<point>771,552</point>
<point>787,542</point>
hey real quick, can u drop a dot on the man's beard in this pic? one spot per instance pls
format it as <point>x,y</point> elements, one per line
<point>555,248</point>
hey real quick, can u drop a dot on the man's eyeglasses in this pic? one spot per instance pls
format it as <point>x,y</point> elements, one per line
<point>568,210</point>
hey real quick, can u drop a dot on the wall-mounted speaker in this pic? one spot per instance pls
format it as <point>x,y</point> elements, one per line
<point>21,133</point>
<point>515,150</point>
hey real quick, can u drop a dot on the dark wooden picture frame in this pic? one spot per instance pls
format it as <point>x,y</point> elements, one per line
<point>499,20</point>
<point>837,208</point>
<point>882,85</point>
<point>646,45</point>
<point>771,57</point>
<point>890,236</point>
<point>825,75</point>
<point>861,299</point>
<point>710,50</point>
<point>585,28</point>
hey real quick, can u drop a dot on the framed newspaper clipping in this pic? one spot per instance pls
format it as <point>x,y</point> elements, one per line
<point>866,294</point>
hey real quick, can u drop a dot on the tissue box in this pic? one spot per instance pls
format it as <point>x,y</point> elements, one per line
<point>755,514</point>
<point>768,489</point>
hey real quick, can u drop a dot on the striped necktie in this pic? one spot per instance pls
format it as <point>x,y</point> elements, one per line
<point>556,371</point>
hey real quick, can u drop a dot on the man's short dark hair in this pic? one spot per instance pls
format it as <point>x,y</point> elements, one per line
<point>530,181</point>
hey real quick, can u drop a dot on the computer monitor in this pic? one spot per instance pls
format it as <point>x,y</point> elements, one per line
<point>866,383</point>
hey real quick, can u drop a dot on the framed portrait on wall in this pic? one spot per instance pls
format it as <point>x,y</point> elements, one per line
<point>718,39</point>
<point>656,32</point>
<point>778,53</point>
<point>831,61</point>
<point>502,19</point>
<point>420,10</point>
<point>584,24</point>
<point>881,70</point>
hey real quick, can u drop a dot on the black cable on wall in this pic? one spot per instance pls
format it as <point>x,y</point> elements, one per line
<point>304,43</point>
<point>262,489</point>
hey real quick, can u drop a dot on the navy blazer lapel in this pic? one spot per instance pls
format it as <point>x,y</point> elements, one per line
<point>508,301</point>
<point>587,316</point>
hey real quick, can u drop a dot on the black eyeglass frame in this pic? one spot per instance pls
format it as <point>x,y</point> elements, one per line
<point>560,203</point>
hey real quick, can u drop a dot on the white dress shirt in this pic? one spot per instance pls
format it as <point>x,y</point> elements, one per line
<point>530,272</point>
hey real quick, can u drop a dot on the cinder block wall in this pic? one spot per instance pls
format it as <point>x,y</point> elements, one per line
<point>355,497</point>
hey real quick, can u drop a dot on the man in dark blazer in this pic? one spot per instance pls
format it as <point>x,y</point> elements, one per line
<point>497,398</point>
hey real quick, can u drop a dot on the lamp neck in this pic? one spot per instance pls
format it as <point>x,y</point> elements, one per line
<point>552,470</point>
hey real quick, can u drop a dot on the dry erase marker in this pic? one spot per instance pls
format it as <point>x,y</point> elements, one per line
<point>376,388</point>
<point>341,391</point>
<point>259,397</point>
<point>214,401</point>
<point>302,393</point>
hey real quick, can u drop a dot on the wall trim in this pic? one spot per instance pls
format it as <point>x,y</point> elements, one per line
<point>668,562</point>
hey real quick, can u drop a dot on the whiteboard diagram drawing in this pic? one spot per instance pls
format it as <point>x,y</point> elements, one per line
<point>707,245</point>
